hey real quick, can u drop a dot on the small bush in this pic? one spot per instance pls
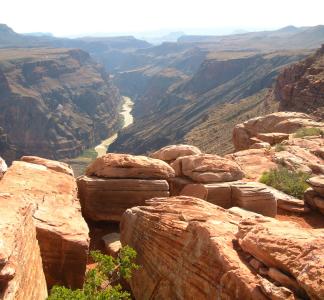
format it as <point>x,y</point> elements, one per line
<point>311,131</point>
<point>290,182</point>
<point>101,283</point>
<point>280,147</point>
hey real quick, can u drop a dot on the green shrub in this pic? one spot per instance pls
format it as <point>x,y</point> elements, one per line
<point>311,131</point>
<point>290,182</point>
<point>101,283</point>
<point>280,147</point>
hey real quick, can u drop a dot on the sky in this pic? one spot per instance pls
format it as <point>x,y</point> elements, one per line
<point>82,17</point>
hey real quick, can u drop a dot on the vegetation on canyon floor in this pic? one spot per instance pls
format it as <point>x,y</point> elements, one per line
<point>102,282</point>
<point>311,131</point>
<point>290,182</point>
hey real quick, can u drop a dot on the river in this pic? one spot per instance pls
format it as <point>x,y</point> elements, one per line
<point>126,110</point>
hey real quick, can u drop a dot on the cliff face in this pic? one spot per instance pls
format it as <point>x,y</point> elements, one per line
<point>54,102</point>
<point>300,87</point>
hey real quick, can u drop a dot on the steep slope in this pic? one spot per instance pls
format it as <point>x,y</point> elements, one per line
<point>54,102</point>
<point>170,114</point>
<point>300,87</point>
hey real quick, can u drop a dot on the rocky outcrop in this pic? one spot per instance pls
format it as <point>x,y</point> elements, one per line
<point>300,87</point>
<point>290,256</point>
<point>21,271</point>
<point>3,167</point>
<point>112,243</point>
<point>207,168</point>
<point>60,101</point>
<point>251,196</point>
<point>172,152</point>
<point>113,165</point>
<point>314,196</point>
<point>105,199</point>
<point>278,125</point>
<point>186,251</point>
<point>61,231</point>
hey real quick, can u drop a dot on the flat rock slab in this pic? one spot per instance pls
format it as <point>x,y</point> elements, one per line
<point>172,152</point>
<point>21,270</point>
<point>107,199</point>
<point>185,249</point>
<point>112,243</point>
<point>61,230</point>
<point>293,254</point>
<point>115,165</point>
<point>317,183</point>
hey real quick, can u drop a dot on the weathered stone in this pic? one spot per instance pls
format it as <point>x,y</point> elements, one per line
<point>207,168</point>
<point>279,122</point>
<point>275,292</point>
<point>293,250</point>
<point>50,164</point>
<point>186,251</point>
<point>261,145</point>
<point>177,184</point>
<point>254,162</point>
<point>255,197</point>
<point>317,183</point>
<point>61,231</point>
<point>112,243</point>
<point>273,137</point>
<point>107,199</point>
<point>3,167</point>
<point>217,193</point>
<point>172,152</point>
<point>21,271</point>
<point>114,165</point>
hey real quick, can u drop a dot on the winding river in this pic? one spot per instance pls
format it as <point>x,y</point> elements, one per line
<point>126,110</point>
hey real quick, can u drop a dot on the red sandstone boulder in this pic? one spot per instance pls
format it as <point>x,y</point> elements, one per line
<point>21,270</point>
<point>292,256</point>
<point>61,231</point>
<point>105,199</point>
<point>113,165</point>
<point>172,152</point>
<point>50,164</point>
<point>275,124</point>
<point>186,251</point>
<point>207,168</point>
<point>317,184</point>
<point>3,167</point>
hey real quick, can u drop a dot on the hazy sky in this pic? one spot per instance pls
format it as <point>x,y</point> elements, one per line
<point>69,17</point>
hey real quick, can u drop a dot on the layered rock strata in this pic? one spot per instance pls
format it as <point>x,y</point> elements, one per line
<point>172,152</point>
<point>61,231</point>
<point>21,270</point>
<point>314,196</point>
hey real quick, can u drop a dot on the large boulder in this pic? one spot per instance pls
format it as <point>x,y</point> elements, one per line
<point>21,270</point>
<point>186,251</point>
<point>3,167</point>
<point>50,164</point>
<point>207,168</point>
<point>317,183</point>
<point>61,231</point>
<point>172,152</point>
<point>113,165</point>
<point>105,199</point>
<point>276,123</point>
<point>292,256</point>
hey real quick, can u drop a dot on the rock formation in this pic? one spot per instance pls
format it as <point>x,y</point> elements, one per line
<point>61,231</point>
<point>207,168</point>
<point>300,87</point>
<point>60,101</point>
<point>21,271</point>
<point>172,152</point>
<point>272,128</point>
<point>191,249</point>
<point>314,196</point>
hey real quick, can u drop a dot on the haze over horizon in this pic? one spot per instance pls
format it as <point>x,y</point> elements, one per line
<point>99,17</point>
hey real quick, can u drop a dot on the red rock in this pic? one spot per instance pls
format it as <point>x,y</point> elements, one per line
<point>50,164</point>
<point>21,271</point>
<point>172,152</point>
<point>186,251</point>
<point>292,250</point>
<point>207,168</point>
<point>275,123</point>
<point>261,145</point>
<point>112,243</point>
<point>107,199</point>
<point>177,184</point>
<point>61,231</point>
<point>317,183</point>
<point>273,137</point>
<point>113,165</point>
